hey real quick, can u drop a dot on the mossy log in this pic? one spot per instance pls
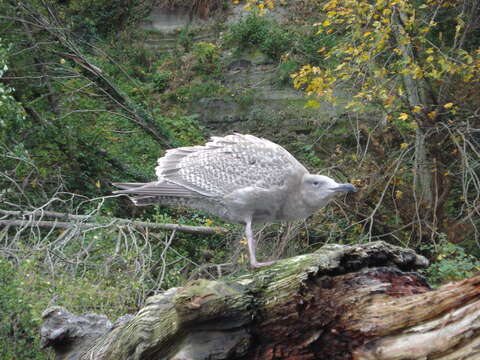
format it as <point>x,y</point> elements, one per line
<point>341,302</point>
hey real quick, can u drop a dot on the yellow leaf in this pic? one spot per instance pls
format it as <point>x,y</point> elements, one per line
<point>326,23</point>
<point>365,57</point>
<point>416,109</point>
<point>403,145</point>
<point>62,61</point>
<point>403,116</point>
<point>367,34</point>
<point>97,184</point>
<point>398,194</point>
<point>448,105</point>
<point>430,58</point>
<point>432,114</point>
<point>312,104</point>
<point>429,51</point>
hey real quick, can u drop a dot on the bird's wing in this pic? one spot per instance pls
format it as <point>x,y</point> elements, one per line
<point>154,189</point>
<point>228,163</point>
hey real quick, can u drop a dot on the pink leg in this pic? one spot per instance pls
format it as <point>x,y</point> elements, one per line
<point>251,246</point>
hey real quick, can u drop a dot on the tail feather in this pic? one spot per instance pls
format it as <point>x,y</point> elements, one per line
<point>155,189</point>
<point>127,186</point>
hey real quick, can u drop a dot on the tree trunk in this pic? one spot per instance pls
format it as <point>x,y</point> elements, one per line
<point>416,90</point>
<point>341,302</point>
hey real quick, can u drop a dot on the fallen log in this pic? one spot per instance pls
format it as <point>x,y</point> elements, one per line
<point>361,302</point>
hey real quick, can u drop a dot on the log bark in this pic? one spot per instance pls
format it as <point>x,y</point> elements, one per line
<point>362,302</point>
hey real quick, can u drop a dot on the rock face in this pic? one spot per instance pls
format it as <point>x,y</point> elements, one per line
<point>166,21</point>
<point>253,97</point>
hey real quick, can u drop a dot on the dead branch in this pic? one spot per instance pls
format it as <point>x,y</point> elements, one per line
<point>200,230</point>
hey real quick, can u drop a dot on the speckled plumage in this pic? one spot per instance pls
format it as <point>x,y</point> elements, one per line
<point>227,163</point>
<point>240,178</point>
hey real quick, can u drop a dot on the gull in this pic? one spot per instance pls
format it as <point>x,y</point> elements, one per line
<point>239,178</point>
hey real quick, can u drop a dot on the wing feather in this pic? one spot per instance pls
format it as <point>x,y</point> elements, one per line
<point>225,164</point>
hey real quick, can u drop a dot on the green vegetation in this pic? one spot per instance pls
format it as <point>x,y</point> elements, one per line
<point>94,18</point>
<point>161,80</point>
<point>207,58</point>
<point>451,262</point>
<point>284,70</point>
<point>18,321</point>
<point>257,32</point>
<point>86,100</point>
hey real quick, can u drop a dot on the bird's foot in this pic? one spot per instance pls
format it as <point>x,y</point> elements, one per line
<point>258,265</point>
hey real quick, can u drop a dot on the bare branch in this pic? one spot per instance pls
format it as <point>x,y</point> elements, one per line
<point>203,230</point>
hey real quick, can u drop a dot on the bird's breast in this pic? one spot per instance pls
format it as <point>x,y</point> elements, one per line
<point>262,205</point>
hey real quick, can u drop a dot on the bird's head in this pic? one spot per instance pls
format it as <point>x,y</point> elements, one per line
<point>318,190</point>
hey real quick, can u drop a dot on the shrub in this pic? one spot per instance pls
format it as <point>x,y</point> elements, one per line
<point>276,43</point>
<point>450,262</point>
<point>284,70</point>
<point>93,18</point>
<point>207,57</point>
<point>161,79</point>
<point>257,31</point>
<point>18,323</point>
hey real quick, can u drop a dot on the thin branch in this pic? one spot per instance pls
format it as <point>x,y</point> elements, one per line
<point>203,230</point>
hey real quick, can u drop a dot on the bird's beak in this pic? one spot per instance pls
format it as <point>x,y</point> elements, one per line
<point>344,188</point>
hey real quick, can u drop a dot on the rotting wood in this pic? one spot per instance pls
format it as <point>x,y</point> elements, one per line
<point>359,302</point>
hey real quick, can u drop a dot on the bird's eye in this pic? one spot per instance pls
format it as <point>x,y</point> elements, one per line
<point>315,183</point>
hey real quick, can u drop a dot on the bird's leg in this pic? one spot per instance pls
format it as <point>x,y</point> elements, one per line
<point>250,242</point>
<point>252,245</point>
